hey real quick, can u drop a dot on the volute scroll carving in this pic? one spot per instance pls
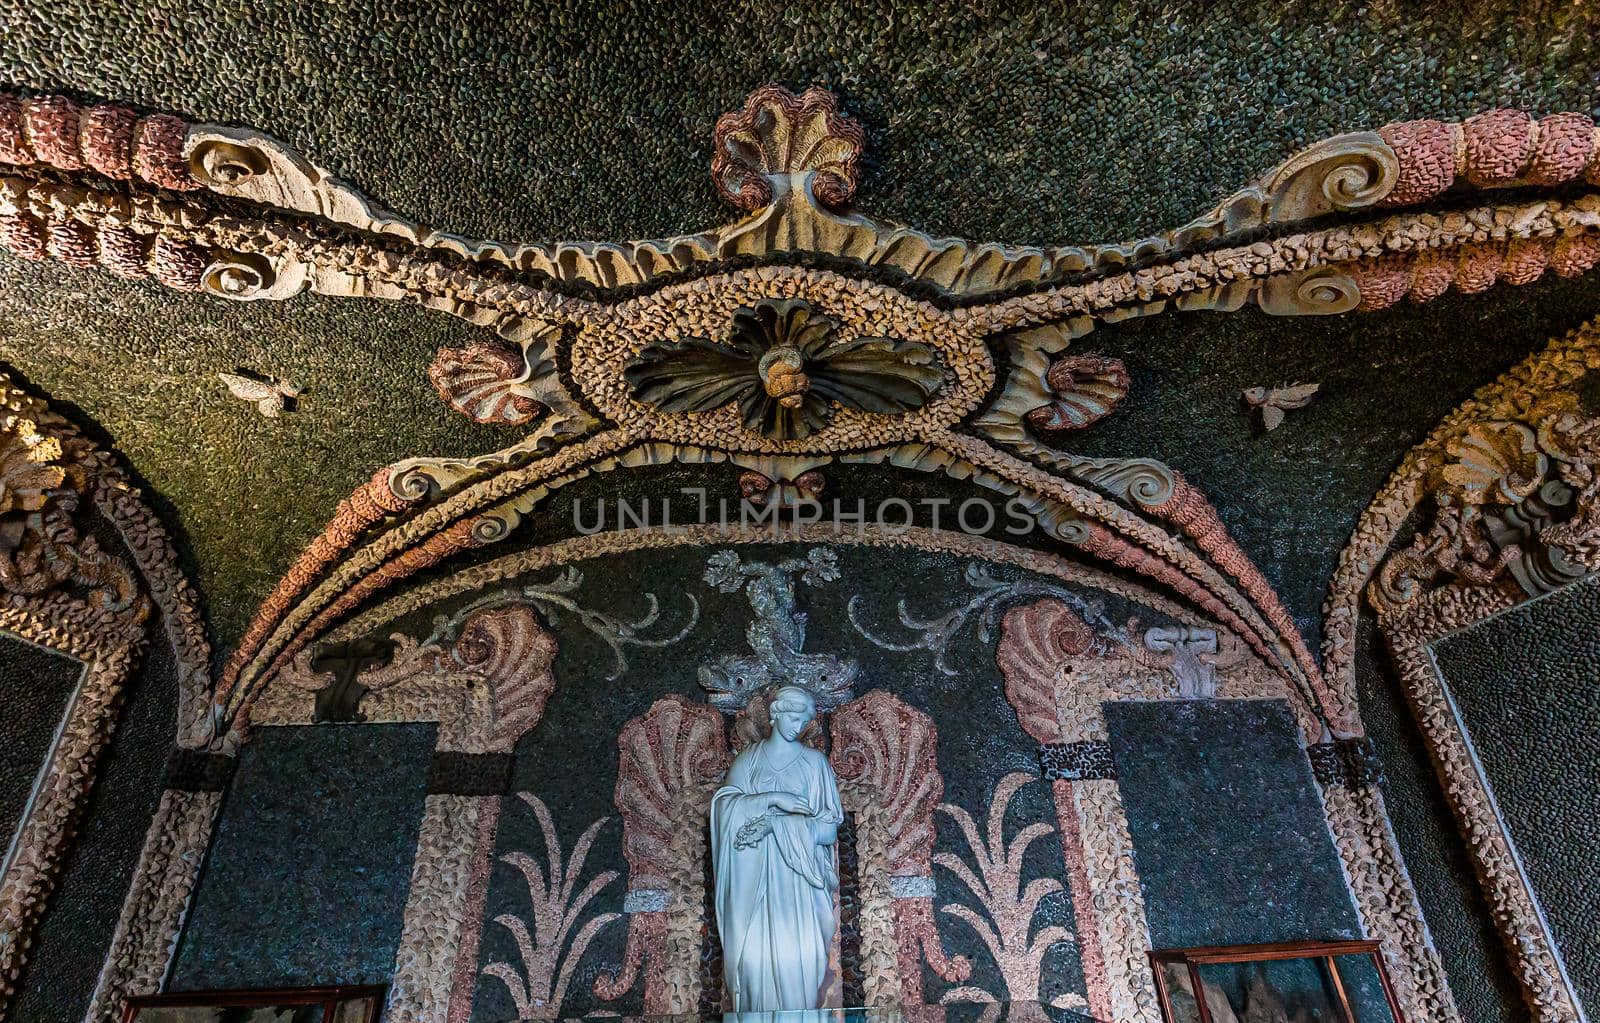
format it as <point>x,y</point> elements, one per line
<point>1340,174</point>
<point>1516,508</point>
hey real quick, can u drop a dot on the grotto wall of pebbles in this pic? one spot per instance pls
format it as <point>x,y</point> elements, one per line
<point>1182,291</point>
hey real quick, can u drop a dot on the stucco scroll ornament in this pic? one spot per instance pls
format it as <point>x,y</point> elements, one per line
<point>786,366</point>
<point>512,381</point>
<point>1044,394</point>
<point>992,596</point>
<point>41,547</point>
<point>1515,508</point>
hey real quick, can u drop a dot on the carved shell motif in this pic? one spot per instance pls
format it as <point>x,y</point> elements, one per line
<point>1034,641</point>
<point>671,749</point>
<point>1083,389</point>
<point>509,648</point>
<point>483,381</point>
<point>892,749</point>
<point>778,133</point>
<point>1495,462</point>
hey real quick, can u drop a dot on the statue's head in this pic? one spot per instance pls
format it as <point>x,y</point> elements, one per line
<point>791,709</point>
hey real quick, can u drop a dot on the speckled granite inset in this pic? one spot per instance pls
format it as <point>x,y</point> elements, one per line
<point>1525,684</point>
<point>35,685</point>
<point>1228,832</point>
<point>307,877</point>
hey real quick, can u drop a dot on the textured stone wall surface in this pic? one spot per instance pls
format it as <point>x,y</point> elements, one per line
<point>1524,683</point>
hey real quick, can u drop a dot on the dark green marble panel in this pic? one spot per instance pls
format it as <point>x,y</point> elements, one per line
<point>1435,856</point>
<point>308,872</point>
<point>72,940</point>
<point>1524,685</point>
<point>35,687</point>
<point>1227,826</point>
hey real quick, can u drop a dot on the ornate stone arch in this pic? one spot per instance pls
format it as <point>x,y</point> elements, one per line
<point>65,588</point>
<point>1088,804</point>
<point>1503,497</point>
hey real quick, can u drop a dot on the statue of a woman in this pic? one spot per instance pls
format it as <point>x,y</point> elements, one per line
<point>773,825</point>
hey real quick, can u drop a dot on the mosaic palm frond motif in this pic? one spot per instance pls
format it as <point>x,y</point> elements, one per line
<point>551,948</point>
<point>1010,902</point>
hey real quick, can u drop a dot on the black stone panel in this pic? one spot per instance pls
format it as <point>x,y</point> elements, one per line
<point>196,771</point>
<point>308,873</point>
<point>470,774</point>
<point>1431,846</point>
<point>35,687</point>
<point>1524,684</point>
<point>1228,832</point>
<point>71,942</point>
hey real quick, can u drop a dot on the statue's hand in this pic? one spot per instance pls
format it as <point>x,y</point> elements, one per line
<point>753,831</point>
<point>788,802</point>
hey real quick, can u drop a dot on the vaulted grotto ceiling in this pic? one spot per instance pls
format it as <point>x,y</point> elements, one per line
<point>1036,127</point>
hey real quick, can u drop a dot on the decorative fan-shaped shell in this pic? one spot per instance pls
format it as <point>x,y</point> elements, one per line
<point>1083,389</point>
<point>674,747</point>
<point>892,749</point>
<point>1034,640</point>
<point>780,133</point>
<point>1495,461</point>
<point>483,382</point>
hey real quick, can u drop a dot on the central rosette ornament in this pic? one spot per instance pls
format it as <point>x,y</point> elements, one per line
<point>785,366</point>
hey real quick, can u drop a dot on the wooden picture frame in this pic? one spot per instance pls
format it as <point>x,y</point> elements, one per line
<point>1327,953</point>
<point>335,1001</point>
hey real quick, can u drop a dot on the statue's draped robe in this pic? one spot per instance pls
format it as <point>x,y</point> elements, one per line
<point>775,899</point>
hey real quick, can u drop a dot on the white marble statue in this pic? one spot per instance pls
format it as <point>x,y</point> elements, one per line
<point>773,825</point>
